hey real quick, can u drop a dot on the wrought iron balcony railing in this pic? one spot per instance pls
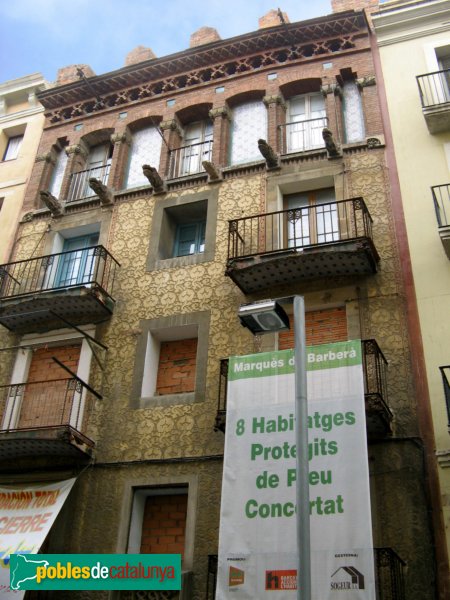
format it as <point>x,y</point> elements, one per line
<point>187,160</point>
<point>42,404</point>
<point>378,413</point>
<point>434,88</point>
<point>300,136</point>
<point>445,373</point>
<point>89,267</point>
<point>441,199</point>
<point>79,182</point>
<point>389,577</point>
<point>297,228</point>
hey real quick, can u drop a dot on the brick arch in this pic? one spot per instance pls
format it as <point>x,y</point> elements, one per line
<point>99,136</point>
<point>247,96</point>
<point>194,112</point>
<point>143,122</point>
<point>300,86</point>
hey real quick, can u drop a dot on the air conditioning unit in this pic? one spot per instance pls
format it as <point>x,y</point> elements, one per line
<point>263,317</point>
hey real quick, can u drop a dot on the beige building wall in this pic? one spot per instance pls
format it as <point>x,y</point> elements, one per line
<point>20,114</point>
<point>411,36</point>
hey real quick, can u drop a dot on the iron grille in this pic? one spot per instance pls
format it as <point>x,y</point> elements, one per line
<point>441,199</point>
<point>88,267</point>
<point>434,88</point>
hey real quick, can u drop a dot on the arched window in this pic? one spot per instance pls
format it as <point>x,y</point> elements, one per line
<point>145,150</point>
<point>58,172</point>
<point>248,125</point>
<point>353,113</point>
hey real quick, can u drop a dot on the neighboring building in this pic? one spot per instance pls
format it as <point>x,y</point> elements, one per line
<point>414,46</point>
<point>132,283</point>
<point>21,123</point>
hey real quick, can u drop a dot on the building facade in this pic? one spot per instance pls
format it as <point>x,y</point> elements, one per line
<point>421,139</point>
<point>165,195</point>
<point>21,124</point>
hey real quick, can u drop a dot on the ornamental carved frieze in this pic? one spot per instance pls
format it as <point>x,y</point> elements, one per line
<point>293,53</point>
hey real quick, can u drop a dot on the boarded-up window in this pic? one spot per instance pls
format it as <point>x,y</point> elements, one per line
<point>249,124</point>
<point>46,400</point>
<point>145,150</point>
<point>164,524</point>
<point>321,327</point>
<point>177,366</point>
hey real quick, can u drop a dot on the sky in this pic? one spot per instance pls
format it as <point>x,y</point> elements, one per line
<point>44,35</point>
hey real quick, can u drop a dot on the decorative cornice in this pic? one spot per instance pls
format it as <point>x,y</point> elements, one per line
<point>263,49</point>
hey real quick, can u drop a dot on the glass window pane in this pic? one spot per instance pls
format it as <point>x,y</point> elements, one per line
<point>13,147</point>
<point>58,173</point>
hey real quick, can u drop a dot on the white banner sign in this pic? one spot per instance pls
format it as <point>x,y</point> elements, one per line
<point>258,542</point>
<point>26,516</point>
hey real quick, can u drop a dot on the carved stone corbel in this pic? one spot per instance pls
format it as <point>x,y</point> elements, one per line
<point>213,172</point>
<point>171,125</point>
<point>121,138</point>
<point>366,81</point>
<point>79,148</point>
<point>221,111</point>
<point>48,157</point>
<point>105,195</point>
<point>268,153</point>
<point>333,150</point>
<point>274,99</point>
<point>154,178</point>
<point>52,203</point>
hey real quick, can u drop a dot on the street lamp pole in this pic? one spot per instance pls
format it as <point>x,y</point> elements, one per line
<point>301,439</point>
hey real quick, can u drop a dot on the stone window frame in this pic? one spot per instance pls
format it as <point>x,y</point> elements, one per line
<point>163,229</point>
<point>154,331</point>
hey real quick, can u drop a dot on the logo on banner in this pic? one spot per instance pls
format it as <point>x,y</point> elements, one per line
<point>235,577</point>
<point>281,580</point>
<point>347,578</point>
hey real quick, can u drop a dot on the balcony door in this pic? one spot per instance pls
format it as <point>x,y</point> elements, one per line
<point>77,262</point>
<point>444,66</point>
<point>311,218</point>
<point>306,119</point>
<point>47,397</point>
<point>197,146</point>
